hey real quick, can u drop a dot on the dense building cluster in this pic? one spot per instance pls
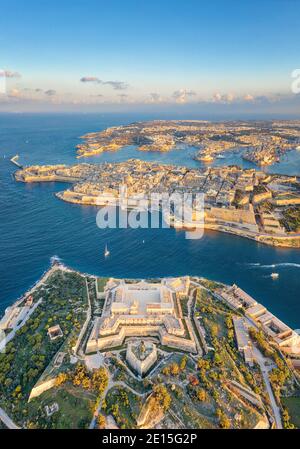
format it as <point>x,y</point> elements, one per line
<point>264,142</point>
<point>248,202</point>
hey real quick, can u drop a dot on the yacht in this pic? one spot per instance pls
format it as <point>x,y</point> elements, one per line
<point>106,251</point>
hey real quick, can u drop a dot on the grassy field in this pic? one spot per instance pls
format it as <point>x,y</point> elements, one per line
<point>124,405</point>
<point>101,282</point>
<point>184,306</point>
<point>183,407</point>
<point>75,408</point>
<point>291,218</point>
<point>293,405</point>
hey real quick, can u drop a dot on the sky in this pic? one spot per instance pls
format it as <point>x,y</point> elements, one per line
<point>160,55</point>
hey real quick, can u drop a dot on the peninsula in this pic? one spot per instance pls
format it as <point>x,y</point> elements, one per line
<point>81,351</point>
<point>248,203</point>
<point>262,142</point>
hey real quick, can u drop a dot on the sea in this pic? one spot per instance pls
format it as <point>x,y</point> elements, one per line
<point>36,226</point>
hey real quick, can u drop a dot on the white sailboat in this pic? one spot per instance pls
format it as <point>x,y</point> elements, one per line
<point>106,251</point>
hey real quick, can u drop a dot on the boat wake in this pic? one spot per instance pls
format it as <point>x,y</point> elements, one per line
<point>274,265</point>
<point>285,264</point>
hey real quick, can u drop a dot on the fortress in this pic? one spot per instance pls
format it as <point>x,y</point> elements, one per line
<point>143,309</point>
<point>141,356</point>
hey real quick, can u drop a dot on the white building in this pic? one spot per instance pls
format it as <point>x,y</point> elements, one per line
<point>142,309</point>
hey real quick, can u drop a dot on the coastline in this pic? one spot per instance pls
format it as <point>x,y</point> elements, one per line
<point>284,240</point>
<point>249,318</point>
<point>55,265</point>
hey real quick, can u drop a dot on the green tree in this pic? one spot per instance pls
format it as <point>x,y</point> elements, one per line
<point>101,421</point>
<point>201,395</point>
<point>161,396</point>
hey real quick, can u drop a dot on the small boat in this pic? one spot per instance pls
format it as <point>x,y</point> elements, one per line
<point>274,275</point>
<point>220,156</point>
<point>106,251</point>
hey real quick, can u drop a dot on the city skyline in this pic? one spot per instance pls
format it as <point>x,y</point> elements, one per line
<point>202,57</point>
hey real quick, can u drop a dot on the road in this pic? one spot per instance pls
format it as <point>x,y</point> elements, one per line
<point>261,360</point>
<point>12,333</point>
<point>76,349</point>
<point>7,421</point>
<point>265,367</point>
<point>110,385</point>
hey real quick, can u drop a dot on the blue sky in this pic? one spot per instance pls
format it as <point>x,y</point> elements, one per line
<point>100,53</point>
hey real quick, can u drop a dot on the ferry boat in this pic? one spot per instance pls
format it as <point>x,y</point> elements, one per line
<point>206,158</point>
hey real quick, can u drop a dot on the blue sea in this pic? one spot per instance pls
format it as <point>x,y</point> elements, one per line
<point>36,226</point>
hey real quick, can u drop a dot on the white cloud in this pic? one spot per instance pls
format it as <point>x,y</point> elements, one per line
<point>182,95</point>
<point>117,85</point>
<point>249,97</point>
<point>223,98</point>
<point>50,92</point>
<point>16,93</point>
